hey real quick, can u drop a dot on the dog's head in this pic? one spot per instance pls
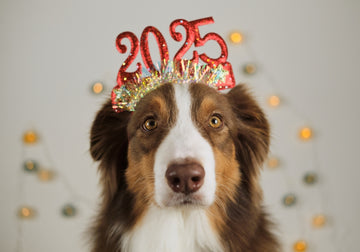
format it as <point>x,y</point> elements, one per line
<point>185,145</point>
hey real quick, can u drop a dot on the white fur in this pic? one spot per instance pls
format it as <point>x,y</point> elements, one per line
<point>184,141</point>
<point>172,230</point>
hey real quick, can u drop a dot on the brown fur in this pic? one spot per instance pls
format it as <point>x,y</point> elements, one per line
<point>127,157</point>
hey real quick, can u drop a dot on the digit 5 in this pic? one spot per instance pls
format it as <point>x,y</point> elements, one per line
<point>199,41</point>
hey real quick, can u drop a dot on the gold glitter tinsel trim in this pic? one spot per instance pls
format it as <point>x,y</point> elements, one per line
<point>126,97</point>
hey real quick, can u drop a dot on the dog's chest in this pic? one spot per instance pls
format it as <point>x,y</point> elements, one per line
<point>172,230</point>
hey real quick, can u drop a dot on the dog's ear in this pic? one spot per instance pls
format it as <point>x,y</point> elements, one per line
<point>253,132</point>
<point>108,144</point>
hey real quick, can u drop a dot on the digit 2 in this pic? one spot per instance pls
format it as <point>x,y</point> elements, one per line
<point>134,43</point>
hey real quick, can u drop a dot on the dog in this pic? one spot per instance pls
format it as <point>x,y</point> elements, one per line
<point>181,172</point>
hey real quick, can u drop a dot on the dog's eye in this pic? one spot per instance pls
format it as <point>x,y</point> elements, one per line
<point>215,122</point>
<point>150,124</point>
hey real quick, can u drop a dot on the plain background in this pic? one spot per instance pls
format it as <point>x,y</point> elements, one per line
<point>51,52</point>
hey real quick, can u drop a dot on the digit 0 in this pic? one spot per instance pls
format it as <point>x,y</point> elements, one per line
<point>144,47</point>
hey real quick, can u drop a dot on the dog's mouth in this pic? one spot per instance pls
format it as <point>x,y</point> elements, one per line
<point>187,202</point>
<point>182,200</point>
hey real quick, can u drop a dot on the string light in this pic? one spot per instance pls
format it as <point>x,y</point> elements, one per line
<point>319,220</point>
<point>236,37</point>
<point>273,162</point>
<point>45,175</point>
<point>274,101</point>
<point>98,88</point>
<point>305,133</point>
<point>30,166</point>
<point>26,212</point>
<point>250,68</point>
<point>310,178</point>
<point>289,199</point>
<point>68,210</point>
<point>300,246</point>
<point>30,137</point>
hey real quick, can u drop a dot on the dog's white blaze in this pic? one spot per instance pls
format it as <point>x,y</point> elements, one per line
<point>184,141</point>
<point>172,230</point>
<point>164,227</point>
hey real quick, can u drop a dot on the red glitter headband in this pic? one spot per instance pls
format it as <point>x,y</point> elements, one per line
<point>130,82</point>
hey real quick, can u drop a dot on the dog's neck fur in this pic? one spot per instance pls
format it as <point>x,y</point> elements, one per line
<point>175,230</point>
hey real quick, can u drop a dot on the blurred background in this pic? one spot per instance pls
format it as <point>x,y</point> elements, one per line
<point>300,58</point>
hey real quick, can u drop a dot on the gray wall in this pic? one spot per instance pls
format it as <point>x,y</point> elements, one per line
<point>52,51</point>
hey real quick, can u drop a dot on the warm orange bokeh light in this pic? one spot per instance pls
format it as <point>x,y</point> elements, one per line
<point>236,37</point>
<point>300,246</point>
<point>274,101</point>
<point>98,87</point>
<point>273,162</point>
<point>305,133</point>
<point>30,137</point>
<point>45,175</point>
<point>250,68</point>
<point>26,212</point>
<point>319,220</point>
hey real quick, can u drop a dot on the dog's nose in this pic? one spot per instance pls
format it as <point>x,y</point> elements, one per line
<point>185,177</point>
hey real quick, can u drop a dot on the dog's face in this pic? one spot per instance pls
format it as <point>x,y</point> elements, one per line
<point>180,138</point>
<point>185,145</point>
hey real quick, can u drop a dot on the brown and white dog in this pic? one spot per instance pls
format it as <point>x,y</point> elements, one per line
<point>181,173</point>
